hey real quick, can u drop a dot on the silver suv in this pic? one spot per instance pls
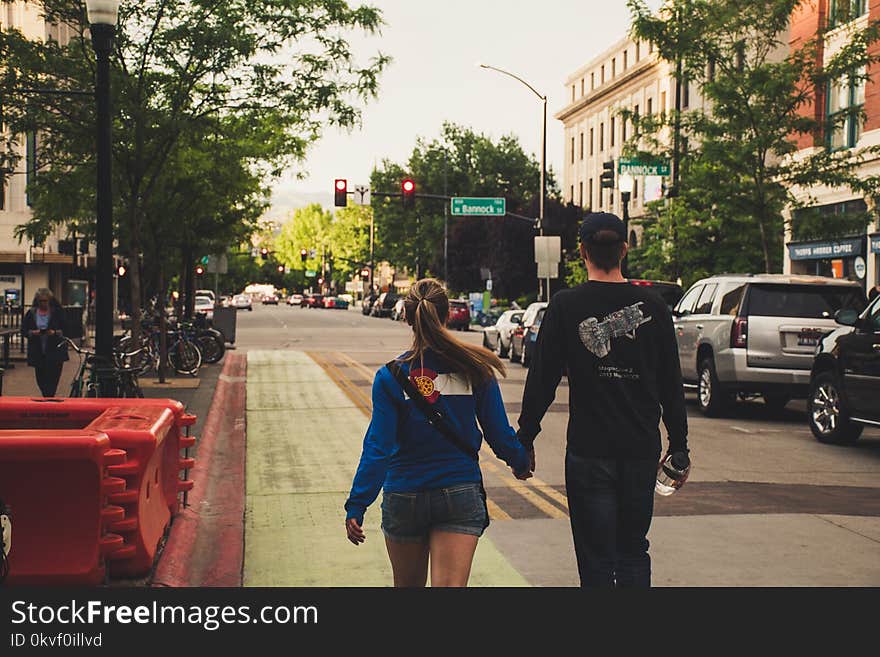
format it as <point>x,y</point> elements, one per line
<point>745,334</point>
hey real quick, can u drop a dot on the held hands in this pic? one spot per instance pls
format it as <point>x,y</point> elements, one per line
<point>528,473</point>
<point>355,532</point>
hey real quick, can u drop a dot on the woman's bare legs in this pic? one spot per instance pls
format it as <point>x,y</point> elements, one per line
<point>409,563</point>
<point>451,558</point>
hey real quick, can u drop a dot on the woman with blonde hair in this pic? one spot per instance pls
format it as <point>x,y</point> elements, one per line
<point>43,328</point>
<point>422,448</point>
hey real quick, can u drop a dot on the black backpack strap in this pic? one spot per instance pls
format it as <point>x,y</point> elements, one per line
<point>434,415</point>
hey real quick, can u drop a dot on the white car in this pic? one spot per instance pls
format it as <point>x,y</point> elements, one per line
<point>204,305</point>
<point>294,300</point>
<point>242,302</point>
<point>207,293</point>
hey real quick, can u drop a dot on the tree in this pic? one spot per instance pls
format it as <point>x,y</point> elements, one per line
<point>309,228</point>
<point>462,163</point>
<point>759,102</point>
<point>279,64</point>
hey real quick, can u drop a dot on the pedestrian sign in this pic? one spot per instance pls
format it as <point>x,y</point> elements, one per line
<point>479,207</point>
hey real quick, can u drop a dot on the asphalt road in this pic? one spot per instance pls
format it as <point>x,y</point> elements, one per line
<point>766,504</point>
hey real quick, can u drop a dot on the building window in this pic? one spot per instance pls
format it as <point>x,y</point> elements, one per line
<point>636,119</point>
<point>601,137</point>
<point>2,192</point>
<point>650,106</point>
<point>613,67</point>
<point>710,70</point>
<point>582,86</point>
<point>650,47</point>
<point>592,81</point>
<point>31,160</point>
<point>636,190</point>
<point>623,131</point>
<point>633,240</point>
<point>637,50</point>
<point>662,103</point>
<point>685,92</point>
<point>591,141</point>
<point>572,150</point>
<point>572,93</point>
<point>590,192</point>
<point>581,194</point>
<point>625,53</point>
<point>571,195</point>
<point>582,146</point>
<point>601,194</point>
<point>611,132</point>
<point>846,97</point>
<point>602,74</point>
<point>844,11</point>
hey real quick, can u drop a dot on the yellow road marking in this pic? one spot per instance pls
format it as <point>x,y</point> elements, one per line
<point>517,486</point>
<point>539,484</point>
<point>495,511</point>
<point>351,391</point>
<point>368,375</point>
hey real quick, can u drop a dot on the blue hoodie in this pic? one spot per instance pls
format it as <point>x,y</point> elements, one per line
<point>403,453</point>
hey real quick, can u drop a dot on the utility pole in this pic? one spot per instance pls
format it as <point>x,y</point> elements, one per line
<point>675,143</point>
<point>445,222</point>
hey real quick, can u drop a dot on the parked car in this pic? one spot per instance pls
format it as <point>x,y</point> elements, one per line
<point>340,303</point>
<point>313,301</point>
<point>487,318</point>
<point>242,302</point>
<point>497,337</point>
<point>523,337</point>
<point>459,315</point>
<point>204,305</point>
<point>670,292</point>
<point>295,300</point>
<point>367,305</point>
<point>743,335</point>
<point>384,305</point>
<point>207,293</point>
<point>270,299</point>
<point>329,302</point>
<point>398,314</point>
<point>844,395</point>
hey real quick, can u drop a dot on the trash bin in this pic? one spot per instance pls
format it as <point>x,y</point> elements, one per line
<point>73,322</point>
<point>224,321</point>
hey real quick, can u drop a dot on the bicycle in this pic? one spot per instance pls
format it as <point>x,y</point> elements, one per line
<point>183,355</point>
<point>125,378</point>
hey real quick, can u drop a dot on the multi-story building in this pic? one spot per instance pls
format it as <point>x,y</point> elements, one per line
<point>627,76</point>
<point>25,266</point>
<point>838,107</point>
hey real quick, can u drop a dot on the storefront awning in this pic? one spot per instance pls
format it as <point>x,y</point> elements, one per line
<point>842,248</point>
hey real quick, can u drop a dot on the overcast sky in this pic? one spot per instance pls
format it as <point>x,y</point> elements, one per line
<point>436,45</point>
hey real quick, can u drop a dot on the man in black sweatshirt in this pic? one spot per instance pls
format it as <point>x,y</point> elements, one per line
<point>617,344</point>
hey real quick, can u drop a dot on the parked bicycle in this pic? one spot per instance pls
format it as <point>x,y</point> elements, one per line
<point>86,382</point>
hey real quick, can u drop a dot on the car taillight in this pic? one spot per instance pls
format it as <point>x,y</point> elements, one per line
<point>739,335</point>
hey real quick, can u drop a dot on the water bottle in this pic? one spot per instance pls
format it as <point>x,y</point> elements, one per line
<point>672,473</point>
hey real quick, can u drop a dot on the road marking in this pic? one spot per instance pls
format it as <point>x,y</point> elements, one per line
<point>495,511</point>
<point>526,492</point>
<point>741,430</point>
<point>351,391</point>
<point>368,375</point>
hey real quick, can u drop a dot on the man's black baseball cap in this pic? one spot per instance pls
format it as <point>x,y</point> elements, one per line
<point>599,221</point>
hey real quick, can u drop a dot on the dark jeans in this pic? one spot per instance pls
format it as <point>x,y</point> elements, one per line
<point>611,503</point>
<point>48,375</point>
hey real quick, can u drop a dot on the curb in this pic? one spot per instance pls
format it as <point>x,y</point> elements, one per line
<point>205,545</point>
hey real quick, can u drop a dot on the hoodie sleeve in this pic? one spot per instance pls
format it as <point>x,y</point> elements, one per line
<point>496,428</point>
<point>380,443</point>
<point>669,384</point>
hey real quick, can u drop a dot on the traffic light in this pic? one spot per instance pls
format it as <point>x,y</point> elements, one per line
<point>408,187</point>
<point>264,253</point>
<point>303,254</point>
<point>199,270</point>
<point>365,273</point>
<point>607,177</point>
<point>341,193</point>
<point>280,269</point>
<point>120,270</point>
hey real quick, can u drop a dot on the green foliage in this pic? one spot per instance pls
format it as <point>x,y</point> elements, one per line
<point>737,174</point>
<point>240,87</point>
<point>463,163</point>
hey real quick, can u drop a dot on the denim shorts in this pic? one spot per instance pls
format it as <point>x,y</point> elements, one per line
<point>410,517</point>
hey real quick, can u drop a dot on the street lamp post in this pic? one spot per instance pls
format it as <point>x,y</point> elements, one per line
<point>540,224</point>
<point>625,184</point>
<point>102,15</point>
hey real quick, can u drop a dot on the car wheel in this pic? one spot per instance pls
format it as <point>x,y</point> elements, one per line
<point>486,343</point>
<point>776,401</point>
<point>827,412</point>
<point>526,359</point>
<point>500,351</point>
<point>514,357</point>
<point>711,396</point>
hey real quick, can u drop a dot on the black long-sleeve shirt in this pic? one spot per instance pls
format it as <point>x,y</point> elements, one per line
<point>617,343</point>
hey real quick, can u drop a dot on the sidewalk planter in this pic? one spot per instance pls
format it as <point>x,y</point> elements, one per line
<point>148,434</point>
<point>57,485</point>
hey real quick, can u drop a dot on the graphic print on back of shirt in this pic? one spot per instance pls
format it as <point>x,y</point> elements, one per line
<point>431,384</point>
<point>597,335</point>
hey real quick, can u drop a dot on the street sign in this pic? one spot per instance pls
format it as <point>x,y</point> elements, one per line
<point>548,249</point>
<point>478,207</point>
<point>310,273</point>
<point>313,253</point>
<point>548,270</point>
<point>362,194</point>
<point>640,168</point>
<point>216,264</point>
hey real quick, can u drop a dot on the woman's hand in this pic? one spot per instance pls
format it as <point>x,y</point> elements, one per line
<point>355,533</point>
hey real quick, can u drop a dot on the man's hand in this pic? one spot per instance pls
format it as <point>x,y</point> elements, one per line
<point>527,474</point>
<point>354,531</point>
<point>531,451</point>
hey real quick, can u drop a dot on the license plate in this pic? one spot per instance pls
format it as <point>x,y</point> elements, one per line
<point>808,339</point>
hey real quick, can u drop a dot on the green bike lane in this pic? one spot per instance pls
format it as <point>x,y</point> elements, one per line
<point>305,429</point>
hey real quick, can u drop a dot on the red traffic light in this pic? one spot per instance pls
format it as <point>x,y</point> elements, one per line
<point>340,195</point>
<point>200,270</point>
<point>409,193</point>
<point>281,268</point>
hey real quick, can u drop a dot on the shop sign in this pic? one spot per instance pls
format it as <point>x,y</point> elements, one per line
<point>875,243</point>
<point>821,250</point>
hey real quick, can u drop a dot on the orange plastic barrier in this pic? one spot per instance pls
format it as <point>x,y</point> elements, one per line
<point>150,434</point>
<point>57,485</point>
